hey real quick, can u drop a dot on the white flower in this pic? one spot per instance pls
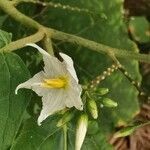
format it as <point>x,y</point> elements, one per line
<point>57,84</point>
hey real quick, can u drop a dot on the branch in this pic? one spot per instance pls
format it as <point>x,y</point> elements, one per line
<point>8,7</point>
<point>22,42</point>
<point>58,5</point>
<point>101,48</point>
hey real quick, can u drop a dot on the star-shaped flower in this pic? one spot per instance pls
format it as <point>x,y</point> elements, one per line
<point>57,84</point>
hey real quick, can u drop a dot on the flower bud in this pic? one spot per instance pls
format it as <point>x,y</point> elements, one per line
<point>125,132</point>
<point>130,129</point>
<point>92,107</point>
<point>103,91</point>
<point>66,118</point>
<point>109,102</point>
<point>81,130</point>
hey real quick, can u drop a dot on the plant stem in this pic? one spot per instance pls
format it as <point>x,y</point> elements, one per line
<point>101,48</point>
<point>8,7</point>
<point>48,45</point>
<point>22,42</point>
<point>65,136</point>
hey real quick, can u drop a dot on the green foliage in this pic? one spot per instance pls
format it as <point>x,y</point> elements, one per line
<point>129,130</point>
<point>12,107</point>
<point>109,30</point>
<point>5,38</point>
<point>139,28</point>
<point>33,136</point>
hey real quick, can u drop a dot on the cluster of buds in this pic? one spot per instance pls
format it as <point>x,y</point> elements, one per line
<point>92,108</point>
<point>64,7</point>
<point>82,121</point>
<point>71,8</point>
<point>105,73</point>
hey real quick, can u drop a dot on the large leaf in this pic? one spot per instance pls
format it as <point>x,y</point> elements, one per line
<point>12,107</point>
<point>48,136</point>
<point>139,28</point>
<point>111,31</point>
<point>32,136</point>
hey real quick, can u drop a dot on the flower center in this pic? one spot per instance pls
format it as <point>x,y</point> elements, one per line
<point>60,82</point>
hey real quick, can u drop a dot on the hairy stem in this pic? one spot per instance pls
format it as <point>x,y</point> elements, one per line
<point>56,5</point>
<point>9,8</point>
<point>22,42</point>
<point>48,45</point>
<point>120,53</point>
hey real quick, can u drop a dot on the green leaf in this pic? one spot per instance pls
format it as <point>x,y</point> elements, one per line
<point>96,142</point>
<point>55,141</point>
<point>5,38</point>
<point>2,19</point>
<point>12,107</point>
<point>139,28</point>
<point>33,136</point>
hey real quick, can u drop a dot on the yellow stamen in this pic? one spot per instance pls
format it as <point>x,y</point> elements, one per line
<point>60,82</point>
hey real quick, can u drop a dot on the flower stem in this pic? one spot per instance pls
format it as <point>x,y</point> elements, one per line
<point>65,136</point>
<point>47,42</point>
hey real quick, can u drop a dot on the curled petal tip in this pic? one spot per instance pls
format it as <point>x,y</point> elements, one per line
<point>42,51</point>
<point>31,44</point>
<point>39,123</point>
<point>81,108</point>
<point>16,90</point>
<point>18,87</point>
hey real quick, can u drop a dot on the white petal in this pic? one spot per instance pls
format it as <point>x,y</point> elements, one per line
<point>73,97</point>
<point>42,51</point>
<point>52,102</point>
<point>69,65</point>
<point>35,84</point>
<point>52,66</point>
